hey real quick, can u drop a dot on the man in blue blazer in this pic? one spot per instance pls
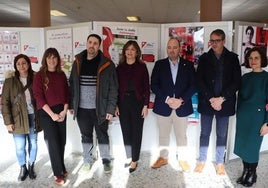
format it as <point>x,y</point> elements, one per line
<point>173,83</point>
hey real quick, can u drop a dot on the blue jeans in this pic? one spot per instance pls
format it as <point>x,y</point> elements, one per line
<point>20,143</point>
<point>221,131</point>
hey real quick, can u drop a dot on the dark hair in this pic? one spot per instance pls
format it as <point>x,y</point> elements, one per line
<point>246,50</point>
<point>30,70</point>
<point>48,53</point>
<point>137,48</point>
<point>218,32</point>
<point>246,55</point>
<point>96,36</point>
<point>262,53</point>
<point>251,29</point>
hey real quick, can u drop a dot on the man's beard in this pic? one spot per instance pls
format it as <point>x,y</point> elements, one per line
<point>92,52</point>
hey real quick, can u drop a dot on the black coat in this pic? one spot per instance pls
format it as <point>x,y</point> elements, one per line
<point>206,74</point>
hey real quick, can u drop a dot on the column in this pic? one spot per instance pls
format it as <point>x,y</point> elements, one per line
<point>40,13</point>
<point>210,10</point>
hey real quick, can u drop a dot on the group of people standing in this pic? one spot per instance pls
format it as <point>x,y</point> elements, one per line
<point>32,102</point>
<point>98,90</point>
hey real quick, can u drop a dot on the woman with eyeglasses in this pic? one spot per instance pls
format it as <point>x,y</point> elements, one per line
<point>19,113</point>
<point>252,115</point>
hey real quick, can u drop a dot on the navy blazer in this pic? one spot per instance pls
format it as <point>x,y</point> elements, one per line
<point>162,86</point>
<point>231,81</point>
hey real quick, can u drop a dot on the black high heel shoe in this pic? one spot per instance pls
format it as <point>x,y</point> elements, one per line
<point>133,169</point>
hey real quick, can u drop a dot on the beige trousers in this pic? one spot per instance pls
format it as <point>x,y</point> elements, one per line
<point>179,124</point>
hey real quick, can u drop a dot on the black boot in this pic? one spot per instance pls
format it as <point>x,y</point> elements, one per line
<point>32,173</point>
<point>251,177</point>
<point>242,178</point>
<point>23,173</point>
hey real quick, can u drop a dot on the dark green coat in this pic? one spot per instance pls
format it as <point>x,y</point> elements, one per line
<point>251,115</point>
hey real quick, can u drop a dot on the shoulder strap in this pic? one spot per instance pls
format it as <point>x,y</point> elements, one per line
<point>22,91</point>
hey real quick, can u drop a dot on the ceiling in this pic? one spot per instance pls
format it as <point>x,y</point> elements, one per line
<point>17,12</point>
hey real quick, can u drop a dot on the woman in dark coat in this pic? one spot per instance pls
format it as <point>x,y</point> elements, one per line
<point>252,115</point>
<point>133,100</point>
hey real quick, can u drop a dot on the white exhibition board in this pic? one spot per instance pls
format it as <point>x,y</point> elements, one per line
<point>144,32</point>
<point>33,37</point>
<point>227,27</point>
<point>29,41</point>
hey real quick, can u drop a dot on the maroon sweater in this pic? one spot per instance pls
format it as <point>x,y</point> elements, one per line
<point>57,92</point>
<point>138,73</point>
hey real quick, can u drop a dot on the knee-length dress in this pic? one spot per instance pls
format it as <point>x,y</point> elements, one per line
<point>251,114</point>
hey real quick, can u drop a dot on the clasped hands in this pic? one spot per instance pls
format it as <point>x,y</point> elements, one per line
<point>174,103</point>
<point>216,103</point>
<point>58,117</point>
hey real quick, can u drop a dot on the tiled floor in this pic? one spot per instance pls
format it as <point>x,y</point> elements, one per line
<point>166,176</point>
<point>144,177</point>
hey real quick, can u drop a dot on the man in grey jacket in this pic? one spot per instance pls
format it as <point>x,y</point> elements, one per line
<point>93,88</point>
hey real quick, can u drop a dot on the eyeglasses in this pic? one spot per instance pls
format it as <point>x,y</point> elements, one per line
<point>254,58</point>
<point>216,41</point>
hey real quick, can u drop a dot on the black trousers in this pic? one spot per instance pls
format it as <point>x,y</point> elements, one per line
<point>87,121</point>
<point>55,138</point>
<point>131,123</point>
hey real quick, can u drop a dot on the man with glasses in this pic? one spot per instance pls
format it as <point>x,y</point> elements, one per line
<point>218,79</point>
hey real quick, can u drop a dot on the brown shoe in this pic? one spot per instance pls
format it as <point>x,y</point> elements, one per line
<point>199,167</point>
<point>184,166</point>
<point>220,169</point>
<point>59,180</point>
<point>160,162</point>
